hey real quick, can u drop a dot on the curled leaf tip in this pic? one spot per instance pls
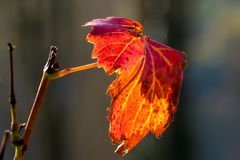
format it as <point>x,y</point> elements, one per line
<point>122,149</point>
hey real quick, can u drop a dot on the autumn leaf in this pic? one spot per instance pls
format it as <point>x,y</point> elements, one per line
<point>145,93</point>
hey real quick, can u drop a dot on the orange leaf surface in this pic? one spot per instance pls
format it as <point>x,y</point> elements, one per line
<point>146,91</point>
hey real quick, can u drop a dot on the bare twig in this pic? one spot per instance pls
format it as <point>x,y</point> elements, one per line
<point>12,98</point>
<point>4,144</point>
<point>14,133</point>
<point>50,72</point>
<point>50,67</point>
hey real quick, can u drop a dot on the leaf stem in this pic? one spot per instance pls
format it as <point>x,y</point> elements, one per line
<point>67,71</point>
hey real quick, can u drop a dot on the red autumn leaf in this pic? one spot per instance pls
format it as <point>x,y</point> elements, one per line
<point>146,91</point>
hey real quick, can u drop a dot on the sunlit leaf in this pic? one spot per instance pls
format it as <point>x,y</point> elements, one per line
<point>146,91</point>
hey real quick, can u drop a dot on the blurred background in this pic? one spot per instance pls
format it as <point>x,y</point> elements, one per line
<point>72,122</point>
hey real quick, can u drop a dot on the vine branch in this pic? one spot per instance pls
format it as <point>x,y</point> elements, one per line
<point>12,98</point>
<point>4,144</point>
<point>51,71</point>
<point>50,67</point>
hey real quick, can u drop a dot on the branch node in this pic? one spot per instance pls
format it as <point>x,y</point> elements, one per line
<point>11,47</point>
<point>51,65</point>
